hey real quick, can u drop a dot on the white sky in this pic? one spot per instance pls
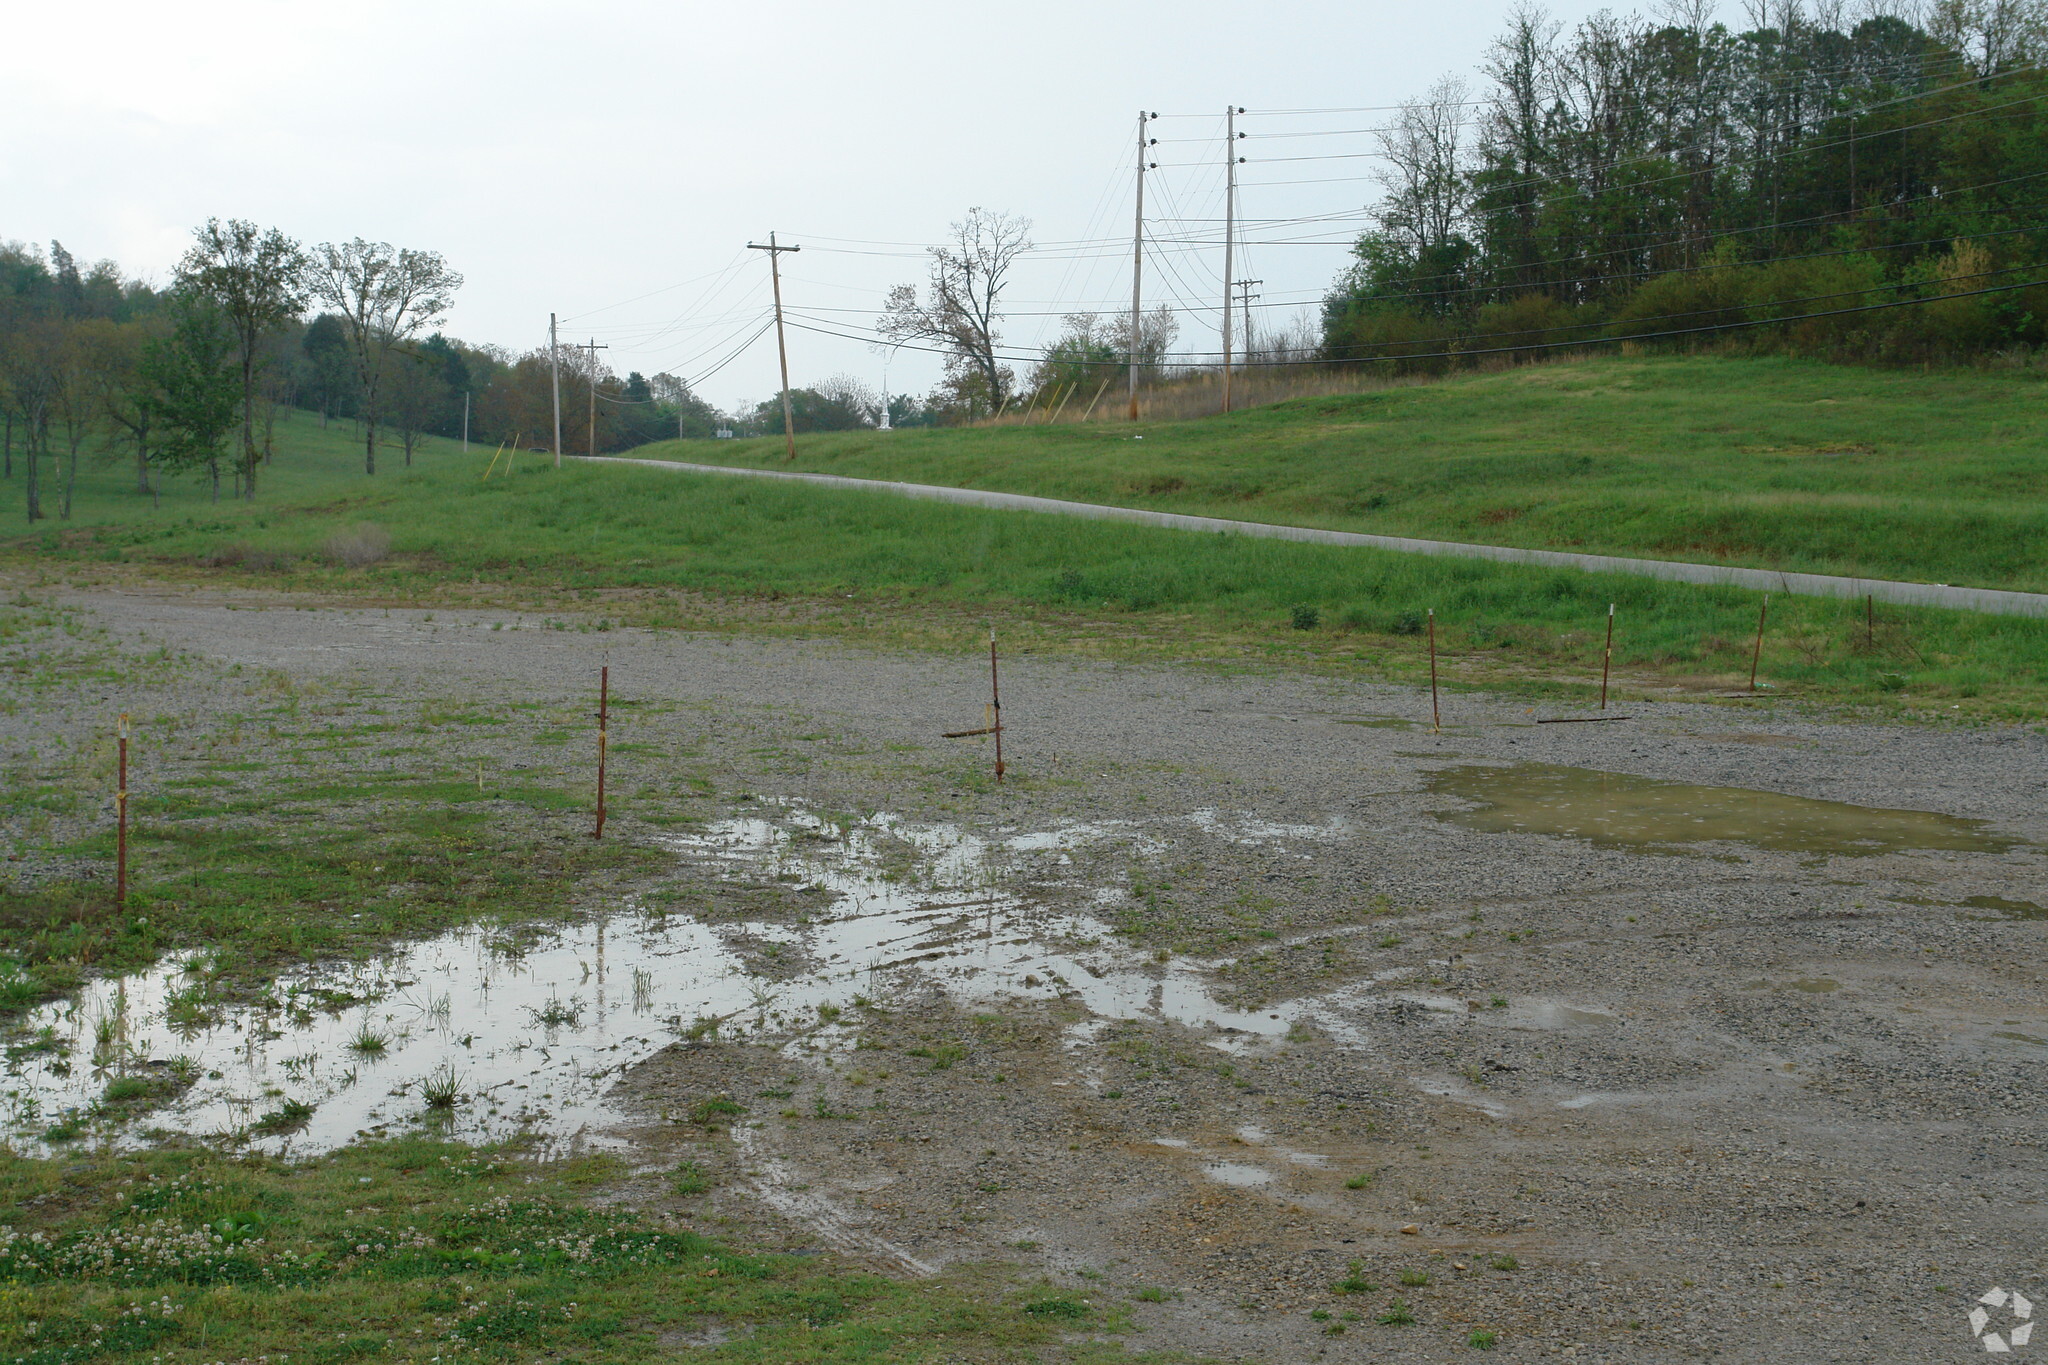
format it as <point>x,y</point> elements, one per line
<point>571,158</point>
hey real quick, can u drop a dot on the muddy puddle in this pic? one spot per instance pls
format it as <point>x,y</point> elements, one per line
<point>1620,810</point>
<point>527,1034</point>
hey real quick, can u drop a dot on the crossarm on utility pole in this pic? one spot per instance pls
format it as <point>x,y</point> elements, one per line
<point>781,346</point>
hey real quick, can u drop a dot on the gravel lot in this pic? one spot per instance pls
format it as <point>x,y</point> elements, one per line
<point>1706,1100</point>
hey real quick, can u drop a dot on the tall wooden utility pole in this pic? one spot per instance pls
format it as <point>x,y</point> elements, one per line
<point>594,348</point>
<point>555,378</point>
<point>1138,262</point>
<point>1230,163</point>
<point>781,347</point>
<point>1244,311</point>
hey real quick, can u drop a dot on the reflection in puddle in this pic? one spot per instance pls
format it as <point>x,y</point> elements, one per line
<point>1623,810</point>
<point>533,1033</point>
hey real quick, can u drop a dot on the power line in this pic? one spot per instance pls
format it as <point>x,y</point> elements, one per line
<point>1466,352</point>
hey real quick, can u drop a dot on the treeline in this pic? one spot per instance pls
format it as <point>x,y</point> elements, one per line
<point>1672,180</point>
<point>192,378</point>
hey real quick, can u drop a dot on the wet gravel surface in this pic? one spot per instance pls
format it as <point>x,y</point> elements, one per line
<point>1615,1101</point>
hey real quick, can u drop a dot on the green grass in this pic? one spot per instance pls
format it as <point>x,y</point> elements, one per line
<point>1775,463</point>
<point>416,1250</point>
<point>710,552</point>
<point>257,898</point>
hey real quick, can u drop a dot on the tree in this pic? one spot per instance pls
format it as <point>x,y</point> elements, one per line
<point>256,277</point>
<point>419,395</point>
<point>116,350</point>
<point>29,340</point>
<point>384,296</point>
<point>1086,354</point>
<point>192,384</point>
<point>74,394</point>
<point>330,375</point>
<point>690,415</point>
<point>841,403</point>
<point>960,312</point>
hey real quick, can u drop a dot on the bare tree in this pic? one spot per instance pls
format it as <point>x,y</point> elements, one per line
<point>1425,180</point>
<point>385,296</point>
<point>257,278</point>
<point>960,311</point>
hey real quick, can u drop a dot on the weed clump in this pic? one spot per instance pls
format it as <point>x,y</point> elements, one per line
<point>1355,1282</point>
<point>358,547</point>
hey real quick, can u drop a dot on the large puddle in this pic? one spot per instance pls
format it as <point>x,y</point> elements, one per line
<point>527,1034</point>
<point>1625,811</point>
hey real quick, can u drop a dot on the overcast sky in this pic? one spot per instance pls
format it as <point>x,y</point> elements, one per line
<point>610,162</point>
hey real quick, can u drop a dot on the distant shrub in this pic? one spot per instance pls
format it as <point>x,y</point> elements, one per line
<point>1304,618</point>
<point>1407,623</point>
<point>359,546</point>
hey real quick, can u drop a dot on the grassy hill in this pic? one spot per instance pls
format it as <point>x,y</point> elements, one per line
<point>648,547</point>
<point>1771,463</point>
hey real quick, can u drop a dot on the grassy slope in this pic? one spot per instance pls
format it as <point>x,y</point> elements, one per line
<point>711,552</point>
<point>1768,462</point>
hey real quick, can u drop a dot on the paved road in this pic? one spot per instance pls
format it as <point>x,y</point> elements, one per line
<point>1990,600</point>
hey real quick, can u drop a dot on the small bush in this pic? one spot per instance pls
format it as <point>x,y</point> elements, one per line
<point>1407,623</point>
<point>1355,1282</point>
<point>1482,1340</point>
<point>1304,618</point>
<point>359,546</point>
<point>1398,1314</point>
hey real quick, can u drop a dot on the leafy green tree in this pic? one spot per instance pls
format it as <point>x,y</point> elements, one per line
<point>255,278</point>
<point>194,389</point>
<point>329,376</point>
<point>384,297</point>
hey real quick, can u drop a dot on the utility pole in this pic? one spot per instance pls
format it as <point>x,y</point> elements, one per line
<point>1230,164</point>
<point>1138,261</point>
<point>1244,307</point>
<point>781,347</point>
<point>555,378</point>
<point>594,348</point>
